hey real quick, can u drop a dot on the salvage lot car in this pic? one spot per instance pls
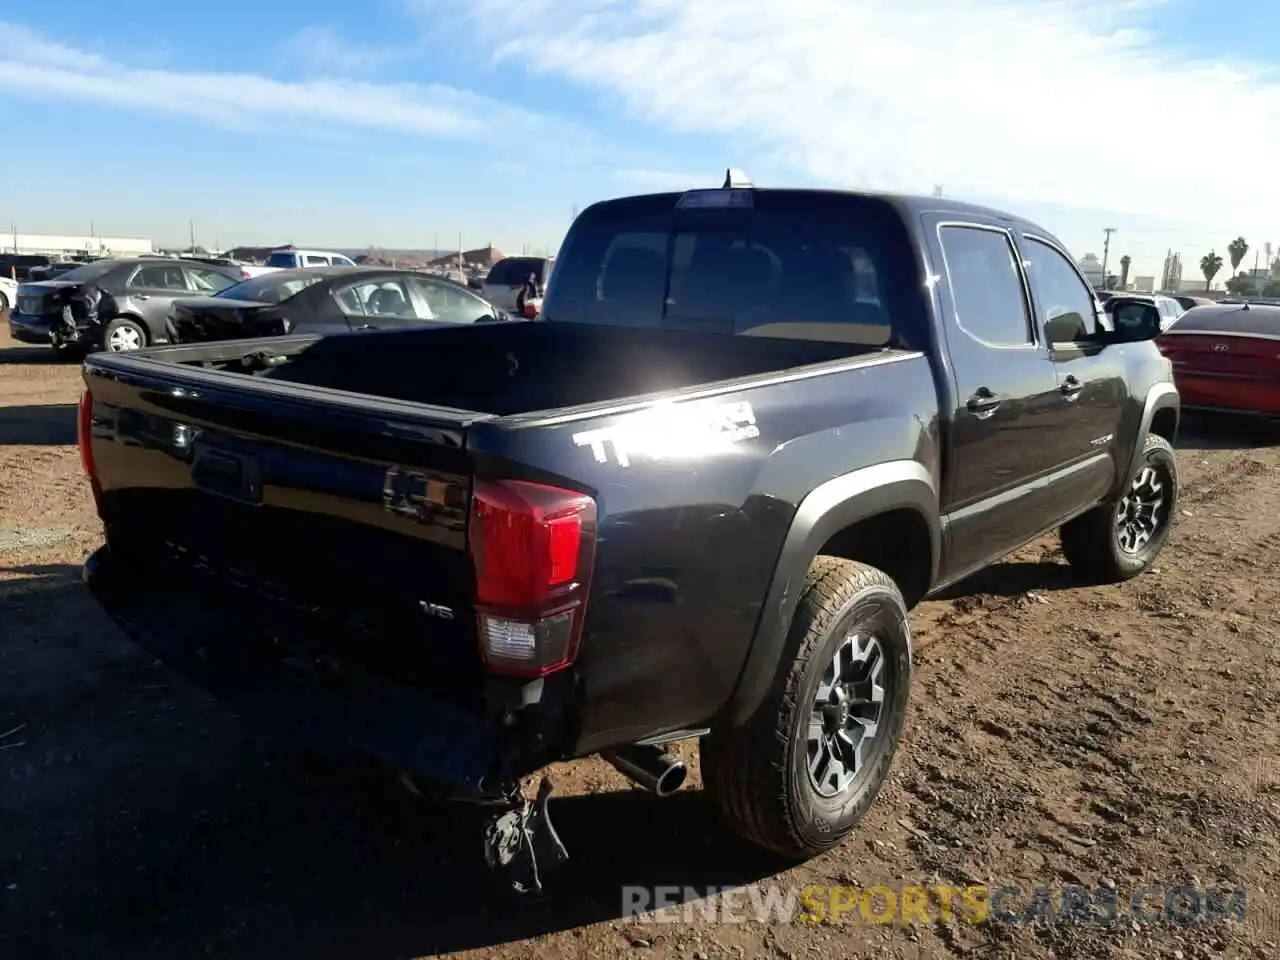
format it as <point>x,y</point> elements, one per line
<point>1226,357</point>
<point>137,295</point>
<point>713,528</point>
<point>326,300</point>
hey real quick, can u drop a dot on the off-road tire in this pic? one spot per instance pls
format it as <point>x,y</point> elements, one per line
<point>756,773</point>
<point>1091,541</point>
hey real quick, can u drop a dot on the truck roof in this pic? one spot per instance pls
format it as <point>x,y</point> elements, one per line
<point>911,204</point>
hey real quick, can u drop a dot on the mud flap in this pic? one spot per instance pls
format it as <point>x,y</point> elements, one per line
<point>521,844</point>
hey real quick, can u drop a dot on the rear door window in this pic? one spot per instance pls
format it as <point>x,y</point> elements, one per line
<point>158,276</point>
<point>314,261</point>
<point>282,258</point>
<point>798,265</point>
<point>986,287</point>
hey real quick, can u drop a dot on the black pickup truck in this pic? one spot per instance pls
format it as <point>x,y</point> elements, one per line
<point>697,499</point>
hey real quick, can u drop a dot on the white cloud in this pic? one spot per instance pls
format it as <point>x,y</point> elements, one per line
<point>322,49</point>
<point>31,64</point>
<point>1018,99</point>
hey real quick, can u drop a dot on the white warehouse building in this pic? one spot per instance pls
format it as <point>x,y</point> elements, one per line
<point>58,246</point>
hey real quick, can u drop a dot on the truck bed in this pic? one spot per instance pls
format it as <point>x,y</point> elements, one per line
<point>514,368</point>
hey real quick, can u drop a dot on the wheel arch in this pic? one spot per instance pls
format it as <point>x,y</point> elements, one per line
<point>885,515</point>
<point>1161,415</point>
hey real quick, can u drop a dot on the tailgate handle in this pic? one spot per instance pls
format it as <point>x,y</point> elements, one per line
<point>226,474</point>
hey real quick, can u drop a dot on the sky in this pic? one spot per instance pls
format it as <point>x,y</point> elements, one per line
<point>406,123</point>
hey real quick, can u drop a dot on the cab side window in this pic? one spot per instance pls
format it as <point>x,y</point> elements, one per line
<point>1064,297</point>
<point>986,288</point>
<point>158,277</point>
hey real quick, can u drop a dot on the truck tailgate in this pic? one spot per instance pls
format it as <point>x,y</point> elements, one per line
<point>337,524</point>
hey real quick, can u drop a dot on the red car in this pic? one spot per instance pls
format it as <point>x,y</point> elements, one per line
<point>1226,357</point>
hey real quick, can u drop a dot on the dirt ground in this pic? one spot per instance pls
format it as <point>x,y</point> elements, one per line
<point>1108,737</point>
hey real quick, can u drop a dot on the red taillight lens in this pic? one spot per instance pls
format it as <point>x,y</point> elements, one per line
<point>533,551</point>
<point>84,439</point>
<point>245,275</point>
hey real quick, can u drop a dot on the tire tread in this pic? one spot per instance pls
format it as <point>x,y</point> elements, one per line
<point>745,768</point>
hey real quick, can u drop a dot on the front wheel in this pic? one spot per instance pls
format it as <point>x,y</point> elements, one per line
<point>1121,539</point>
<point>4,302</point>
<point>800,774</point>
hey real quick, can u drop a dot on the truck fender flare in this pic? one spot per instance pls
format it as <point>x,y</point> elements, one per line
<point>826,510</point>
<point>1163,396</point>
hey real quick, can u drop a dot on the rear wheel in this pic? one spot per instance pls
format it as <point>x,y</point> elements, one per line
<point>1121,539</point>
<point>123,334</point>
<point>4,302</point>
<point>800,774</point>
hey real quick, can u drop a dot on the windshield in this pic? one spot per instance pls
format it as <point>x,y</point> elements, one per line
<point>269,288</point>
<point>88,272</point>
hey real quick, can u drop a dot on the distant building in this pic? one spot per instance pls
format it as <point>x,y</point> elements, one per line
<point>55,246</point>
<point>481,257</point>
<point>1144,284</point>
<point>1091,267</point>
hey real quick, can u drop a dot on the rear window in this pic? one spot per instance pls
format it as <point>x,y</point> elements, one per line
<point>88,272</point>
<point>802,265</point>
<point>283,258</point>
<point>514,271</point>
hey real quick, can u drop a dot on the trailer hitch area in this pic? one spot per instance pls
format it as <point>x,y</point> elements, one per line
<point>521,843</point>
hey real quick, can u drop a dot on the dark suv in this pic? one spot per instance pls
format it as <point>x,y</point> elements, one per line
<point>136,296</point>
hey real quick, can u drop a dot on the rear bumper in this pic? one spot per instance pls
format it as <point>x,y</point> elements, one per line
<point>28,329</point>
<point>1230,394</point>
<point>347,711</point>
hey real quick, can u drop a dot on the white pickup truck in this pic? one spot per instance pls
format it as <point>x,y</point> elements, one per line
<point>289,258</point>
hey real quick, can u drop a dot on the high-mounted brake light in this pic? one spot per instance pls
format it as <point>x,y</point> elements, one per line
<point>533,550</point>
<point>715,199</point>
<point>84,440</point>
<point>735,192</point>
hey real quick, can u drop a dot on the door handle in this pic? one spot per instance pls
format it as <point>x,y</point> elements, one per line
<point>1071,388</point>
<point>142,296</point>
<point>983,403</point>
<point>365,326</point>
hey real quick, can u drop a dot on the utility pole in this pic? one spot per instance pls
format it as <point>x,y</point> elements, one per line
<point>1106,248</point>
<point>937,190</point>
<point>191,228</point>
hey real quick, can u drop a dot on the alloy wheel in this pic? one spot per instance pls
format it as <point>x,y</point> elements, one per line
<point>846,714</point>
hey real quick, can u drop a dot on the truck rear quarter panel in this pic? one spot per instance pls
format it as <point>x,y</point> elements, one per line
<point>696,499</point>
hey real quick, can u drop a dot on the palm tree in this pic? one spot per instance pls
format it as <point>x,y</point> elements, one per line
<point>1125,261</point>
<point>1236,250</point>
<point>1210,264</point>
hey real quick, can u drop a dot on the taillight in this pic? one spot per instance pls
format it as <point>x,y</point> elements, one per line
<point>245,275</point>
<point>84,439</point>
<point>533,550</point>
